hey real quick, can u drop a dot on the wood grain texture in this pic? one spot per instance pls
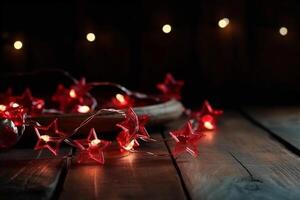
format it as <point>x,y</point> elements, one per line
<point>284,122</point>
<point>240,161</point>
<point>135,176</point>
<point>29,174</point>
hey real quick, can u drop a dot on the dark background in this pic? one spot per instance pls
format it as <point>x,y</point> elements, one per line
<point>247,62</point>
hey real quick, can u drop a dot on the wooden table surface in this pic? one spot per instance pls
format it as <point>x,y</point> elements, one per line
<point>254,154</point>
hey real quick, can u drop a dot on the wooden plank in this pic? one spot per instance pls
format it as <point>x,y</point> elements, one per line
<point>29,174</point>
<point>240,161</point>
<point>30,179</point>
<point>284,122</point>
<point>29,154</point>
<point>135,176</point>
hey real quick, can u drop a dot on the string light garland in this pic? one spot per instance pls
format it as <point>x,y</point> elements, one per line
<point>15,113</point>
<point>166,28</point>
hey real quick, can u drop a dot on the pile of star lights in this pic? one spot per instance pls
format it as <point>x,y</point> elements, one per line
<point>16,114</point>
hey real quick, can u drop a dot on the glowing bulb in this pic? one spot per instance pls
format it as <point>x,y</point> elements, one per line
<point>121,98</point>
<point>167,28</point>
<point>46,138</point>
<point>83,109</point>
<point>208,122</point>
<point>223,22</point>
<point>90,37</point>
<point>95,142</point>
<point>40,105</point>
<point>14,105</point>
<point>72,93</point>
<point>2,107</point>
<point>208,125</point>
<point>283,31</point>
<point>18,44</point>
<point>129,146</point>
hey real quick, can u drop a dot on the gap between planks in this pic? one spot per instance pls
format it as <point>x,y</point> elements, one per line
<point>281,139</point>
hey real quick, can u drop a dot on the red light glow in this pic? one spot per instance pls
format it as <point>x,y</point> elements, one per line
<point>72,93</point>
<point>121,99</point>
<point>129,146</point>
<point>14,104</point>
<point>45,138</point>
<point>83,109</point>
<point>95,142</point>
<point>208,122</point>
<point>2,107</point>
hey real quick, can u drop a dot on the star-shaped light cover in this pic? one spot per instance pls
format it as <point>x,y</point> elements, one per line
<point>91,148</point>
<point>122,101</point>
<point>171,88</point>
<point>80,89</point>
<point>74,99</point>
<point>133,128</point>
<point>49,137</point>
<point>207,116</point>
<point>31,105</point>
<point>16,115</point>
<point>61,96</point>
<point>186,140</point>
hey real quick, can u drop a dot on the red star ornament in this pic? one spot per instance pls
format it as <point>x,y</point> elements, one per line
<point>126,141</point>
<point>70,99</point>
<point>49,137</point>
<point>122,101</point>
<point>80,89</point>
<point>32,106</point>
<point>133,128</point>
<point>207,116</point>
<point>61,96</point>
<point>17,115</point>
<point>171,88</point>
<point>186,140</point>
<point>91,148</point>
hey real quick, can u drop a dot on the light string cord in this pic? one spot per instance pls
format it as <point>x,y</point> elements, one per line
<point>128,92</point>
<point>82,124</point>
<point>65,73</point>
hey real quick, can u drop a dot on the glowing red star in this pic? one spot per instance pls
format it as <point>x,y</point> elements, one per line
<point>207,109</point>
<point>171,88</point>
<point>126,141</point>
<point>207,116</point>
<point>31,104</point>
<point>91,148</point>
<point>49,137</point>
<point>17,115</point>
<point>186,140</point>
<point>80,89</point>
<point>122,101</point>
<point>133,128</point>
<point>74,99</point>
<point>70,99</point>
<point>61,96</point>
